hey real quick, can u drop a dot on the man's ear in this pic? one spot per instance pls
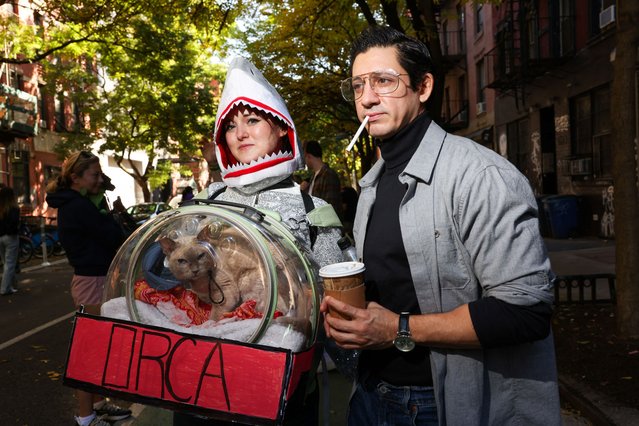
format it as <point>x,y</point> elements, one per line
<point>426,88</point>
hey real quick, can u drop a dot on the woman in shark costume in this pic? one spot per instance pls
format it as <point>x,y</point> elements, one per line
<point>251,118</point>
<point>266,182</point>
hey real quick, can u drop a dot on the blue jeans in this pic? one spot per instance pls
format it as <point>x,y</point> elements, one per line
<point>9,245</point>
<point>377,403</point>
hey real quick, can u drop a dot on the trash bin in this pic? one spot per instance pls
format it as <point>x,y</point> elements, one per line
<point>562,214</point>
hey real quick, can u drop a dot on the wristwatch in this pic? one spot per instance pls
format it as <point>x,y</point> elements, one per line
<point>404,342</point>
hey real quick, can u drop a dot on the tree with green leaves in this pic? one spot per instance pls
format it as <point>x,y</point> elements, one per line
<point>302,46</point>
<point>138,74</point>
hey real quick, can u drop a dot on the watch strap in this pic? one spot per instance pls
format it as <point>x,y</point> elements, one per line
<point>403,326</point>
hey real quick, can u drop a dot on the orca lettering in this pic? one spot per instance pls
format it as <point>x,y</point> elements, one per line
<point>157,358</point>
<point>122,336</point>
<point>220,376</point>
<point>154,356</point>
<point>169,386</point>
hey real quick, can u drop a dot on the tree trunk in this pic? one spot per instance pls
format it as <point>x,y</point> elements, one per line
<point>144,184</point>
<point>626,181</point>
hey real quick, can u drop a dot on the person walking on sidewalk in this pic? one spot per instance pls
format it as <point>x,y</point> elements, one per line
<point>9,240</point>
<point>458,282</point>
<point>325,182</point>
<point>90,239</point>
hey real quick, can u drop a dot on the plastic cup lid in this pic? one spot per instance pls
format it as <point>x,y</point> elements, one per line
<point>342,269</point>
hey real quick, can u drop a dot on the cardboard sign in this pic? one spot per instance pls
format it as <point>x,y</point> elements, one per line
<point>214,377</point>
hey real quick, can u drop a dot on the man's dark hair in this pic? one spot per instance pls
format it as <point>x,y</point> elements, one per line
<point>313,148</point>
<point>412,54</point>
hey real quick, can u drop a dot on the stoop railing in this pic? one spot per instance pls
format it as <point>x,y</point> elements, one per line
<point>594,288</point>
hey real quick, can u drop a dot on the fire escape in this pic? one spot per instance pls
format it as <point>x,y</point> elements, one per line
<point>529,44</point>
<point>18,109</point>
<point>454,111</point>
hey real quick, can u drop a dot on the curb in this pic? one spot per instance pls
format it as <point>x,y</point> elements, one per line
<point>35,267</point>
<point>587,409</point>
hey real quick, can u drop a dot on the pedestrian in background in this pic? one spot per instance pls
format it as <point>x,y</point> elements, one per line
<point>325,182</point>
<point>91,239</point>
<point>458,282</point>
<point>185,195</point>
<point>9,241</point>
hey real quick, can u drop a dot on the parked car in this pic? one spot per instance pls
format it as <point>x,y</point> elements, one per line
<point>145,211</point>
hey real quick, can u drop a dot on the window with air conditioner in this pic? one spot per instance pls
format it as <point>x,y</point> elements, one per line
<point>590,131</point>
<point>607,16</point>
<point>481,107</point>
<point>581,166</point>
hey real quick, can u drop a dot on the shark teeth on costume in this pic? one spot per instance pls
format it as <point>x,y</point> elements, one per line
<point>270,157</point>
<point>254,106</point>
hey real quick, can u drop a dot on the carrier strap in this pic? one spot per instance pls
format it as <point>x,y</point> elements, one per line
<point>308,206</point>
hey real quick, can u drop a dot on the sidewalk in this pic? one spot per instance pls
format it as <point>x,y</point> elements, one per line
<point>581,256</point>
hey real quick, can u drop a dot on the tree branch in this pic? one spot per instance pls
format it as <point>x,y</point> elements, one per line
<point>366,10</point>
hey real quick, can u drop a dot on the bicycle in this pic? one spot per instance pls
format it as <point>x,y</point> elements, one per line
<point>52,240</point>
<point>25,250</point>
<point>52,243</point>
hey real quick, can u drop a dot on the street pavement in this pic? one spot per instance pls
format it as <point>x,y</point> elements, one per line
<point>574,256</point>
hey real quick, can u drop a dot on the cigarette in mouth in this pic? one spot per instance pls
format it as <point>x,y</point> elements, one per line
<point>359,131</point>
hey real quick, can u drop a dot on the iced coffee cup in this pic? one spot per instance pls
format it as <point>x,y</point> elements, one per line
<point>345,282</point>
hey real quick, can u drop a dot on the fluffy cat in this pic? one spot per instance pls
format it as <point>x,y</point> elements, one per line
<point>221,268</point>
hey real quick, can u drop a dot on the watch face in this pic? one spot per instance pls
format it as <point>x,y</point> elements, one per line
<point>404,343</point>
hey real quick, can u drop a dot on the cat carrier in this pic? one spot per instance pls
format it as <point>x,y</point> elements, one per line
<point>211,308</point>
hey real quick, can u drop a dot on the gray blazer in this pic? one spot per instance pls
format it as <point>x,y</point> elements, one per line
<point>470,228</point>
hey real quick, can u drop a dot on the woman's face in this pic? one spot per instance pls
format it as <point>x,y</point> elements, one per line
<point>90,180</point>
<point>250,135</point>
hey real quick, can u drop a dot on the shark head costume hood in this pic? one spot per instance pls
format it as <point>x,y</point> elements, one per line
<point>246,86</point>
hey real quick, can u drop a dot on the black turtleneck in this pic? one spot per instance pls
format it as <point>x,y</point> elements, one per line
<point>388,278</point>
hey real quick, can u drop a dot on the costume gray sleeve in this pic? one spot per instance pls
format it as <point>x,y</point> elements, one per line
<point>325,249</point>
<point>498,225</point>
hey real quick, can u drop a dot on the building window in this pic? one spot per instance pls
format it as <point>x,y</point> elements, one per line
<point>591,134</point>
<point>595,7</point>
<point>479,18</point>
<point>60,124</point>
<point>446,37</point>
<point>566,27</point>
<point>480,69</point>
<point>19,157</point>
<point>518,146</point>
<point>16,80</point>
<point>44,112</point>
<point>461,87</point>
<point>461,25</point>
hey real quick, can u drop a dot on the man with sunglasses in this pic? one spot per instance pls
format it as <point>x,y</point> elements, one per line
<point>458,282</point>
